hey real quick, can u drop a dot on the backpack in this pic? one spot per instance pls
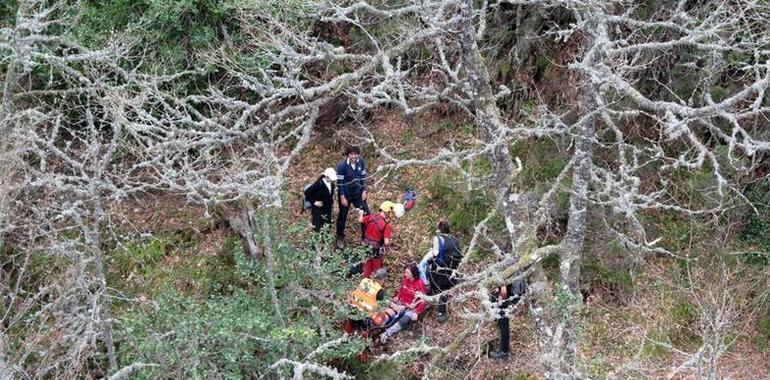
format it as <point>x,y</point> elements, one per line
<point>306,203</point>
<point>376,219</point>
<point>449,255</point>
<point>410,197</point>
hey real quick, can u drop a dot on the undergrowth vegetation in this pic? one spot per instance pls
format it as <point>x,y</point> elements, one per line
<point>234,327</point>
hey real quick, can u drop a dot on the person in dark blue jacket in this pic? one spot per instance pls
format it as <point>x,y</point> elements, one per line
<point>351,189</point>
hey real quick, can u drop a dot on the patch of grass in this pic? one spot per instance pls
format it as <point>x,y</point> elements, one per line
<point>471,209</point>
<point>463,210</point>
<point>763,329</point>
<point>524,376</point>
<point>683,315</point>
<point>478,255</point>
<point>653,350</point>
<point>480,166</point>
<point>137,264</point>
<point>617,279</point>
<point>147,265</point>
<point>541,159</point>
<point>718,93</point>
<point>543,62</point>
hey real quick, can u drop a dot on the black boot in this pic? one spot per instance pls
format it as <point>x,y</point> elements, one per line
<point>498,355</point>
<point>442,315</point>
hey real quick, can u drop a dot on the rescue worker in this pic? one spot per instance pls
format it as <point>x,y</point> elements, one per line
<point>351,182</point>
<point>365,298</point>
<point>377,235</point>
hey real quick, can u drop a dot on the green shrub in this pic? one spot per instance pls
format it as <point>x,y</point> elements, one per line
<point>463,210</point>
<point>755,234</point>
<point>233,330</point>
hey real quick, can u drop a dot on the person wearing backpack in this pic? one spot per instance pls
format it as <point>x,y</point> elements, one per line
<point>437,268</point>
<point>319,197</point>
<point>351,179</point>
<point>377,235</point>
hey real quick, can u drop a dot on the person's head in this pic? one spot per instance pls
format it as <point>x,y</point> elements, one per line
<point>387,207</point>
<point>443,227</point>
<point>411,271</point>
<point>380,275</point>
<point>352,153</point>
<point>330,174</point>
<point>379,318</point>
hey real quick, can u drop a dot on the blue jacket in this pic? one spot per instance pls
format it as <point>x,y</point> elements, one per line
<point>351,181</point>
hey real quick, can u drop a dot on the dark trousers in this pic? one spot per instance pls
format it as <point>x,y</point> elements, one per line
<point>442,304</point>
<point>320,219</point>
<point>503,324</point>
<point>440,280</point>
<point>342,218</point>
<point>505,333</point>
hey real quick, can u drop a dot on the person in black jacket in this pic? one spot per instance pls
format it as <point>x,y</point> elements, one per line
<point>506,297</point>
<point>320,194</point>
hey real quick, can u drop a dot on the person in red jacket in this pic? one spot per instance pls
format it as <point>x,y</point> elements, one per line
<point>407,305</point>
<point>377,235</point>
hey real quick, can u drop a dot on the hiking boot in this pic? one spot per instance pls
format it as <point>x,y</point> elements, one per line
<point>498,355</point>
<point>442,317</point>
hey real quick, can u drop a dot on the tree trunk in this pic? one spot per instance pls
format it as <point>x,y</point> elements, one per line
<point>270,266</point>
<point>105,307</point>
<point>240,221</point>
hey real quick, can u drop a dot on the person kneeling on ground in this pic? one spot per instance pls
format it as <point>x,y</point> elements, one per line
<point>506,297</point>
<point>365,297</point>
<point>377,235</point>
<point>407,305</point>
<point>437,268</point>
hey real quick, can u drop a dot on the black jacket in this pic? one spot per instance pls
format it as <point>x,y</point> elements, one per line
<point>319,192</point>
<point>442,268</point>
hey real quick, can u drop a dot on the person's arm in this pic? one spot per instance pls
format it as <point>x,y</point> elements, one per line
<point>387,234</point>
<point>311,193</point>
<point>365,193</point>
<point>342,187</point>
<point>434,250</point>
<point>419,304</point>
